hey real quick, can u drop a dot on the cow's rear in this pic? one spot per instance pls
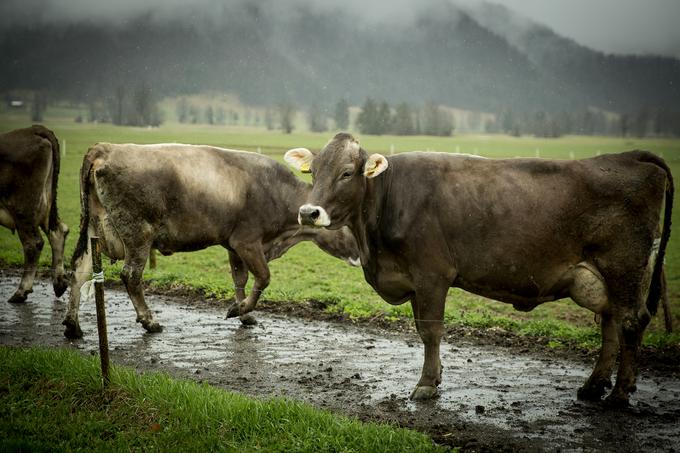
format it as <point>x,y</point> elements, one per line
<point>29,174</point>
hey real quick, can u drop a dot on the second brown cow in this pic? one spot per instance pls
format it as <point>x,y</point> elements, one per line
<point>180,198</point>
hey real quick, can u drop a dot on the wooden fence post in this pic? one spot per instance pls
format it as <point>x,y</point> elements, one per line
<point>152,259</point>
<point>101,310</point>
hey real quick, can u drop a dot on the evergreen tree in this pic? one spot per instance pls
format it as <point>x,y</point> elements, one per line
<point>436,121</point>
<point>384,119</point>
<point>209,115</point>
<point>220,115</point>
<point>117,105</point>
<point>182,110</point>
<point>316,119</point>
<point>367,120</point>
<point>269,119</point>
<point>341,115</point>
<point>403,120</point>
<point>286,114</point>
<point>508,121</point>
<point>38,106</point>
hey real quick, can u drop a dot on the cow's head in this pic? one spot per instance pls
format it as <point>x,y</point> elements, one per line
<point>339,175</point>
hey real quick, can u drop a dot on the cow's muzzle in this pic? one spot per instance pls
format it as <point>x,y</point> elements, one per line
<point>313,216</point>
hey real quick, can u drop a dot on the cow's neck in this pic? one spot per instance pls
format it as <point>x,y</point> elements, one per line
<point>366,224</point>
<point>292,195</point>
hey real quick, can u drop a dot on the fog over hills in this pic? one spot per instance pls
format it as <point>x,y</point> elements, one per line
<point>483,58</point>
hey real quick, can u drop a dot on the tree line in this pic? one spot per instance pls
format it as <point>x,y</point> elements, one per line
<point>124,106</point>
<point>378,118</point>
<point>138,106</point>
<point>646,122</point>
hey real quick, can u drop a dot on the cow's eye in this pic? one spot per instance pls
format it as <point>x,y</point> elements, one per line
<point>347,174</point>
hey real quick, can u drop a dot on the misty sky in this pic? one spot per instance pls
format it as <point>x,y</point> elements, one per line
<point>614,26</point>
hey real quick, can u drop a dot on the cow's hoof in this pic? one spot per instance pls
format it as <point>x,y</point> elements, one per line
<point>248,320</point>
<point>18,298</point>
<point>616,400</point>
<point>424,392</point>
<point>594,389</point>
<point>590,393</point>
<point>60,284</point>
<point>233,311</point>
<point>152,327</point>
<point>72,330</point>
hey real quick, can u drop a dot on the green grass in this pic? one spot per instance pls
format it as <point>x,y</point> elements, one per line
<point>52,400</point>
<point>307,273</point>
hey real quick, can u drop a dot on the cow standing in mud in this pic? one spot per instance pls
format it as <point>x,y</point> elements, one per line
<point>521,231</point>
<point>179,198</point>
<point>29,173</point>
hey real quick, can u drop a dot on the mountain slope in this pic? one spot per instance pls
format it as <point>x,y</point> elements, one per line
<point>445,54</point>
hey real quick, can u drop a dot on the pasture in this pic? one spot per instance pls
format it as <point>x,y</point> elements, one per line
<point>306,273</point>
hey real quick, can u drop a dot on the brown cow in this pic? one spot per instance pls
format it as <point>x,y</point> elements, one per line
<point>521,231</point>
<point>178,198</point>
<point>29,172</point>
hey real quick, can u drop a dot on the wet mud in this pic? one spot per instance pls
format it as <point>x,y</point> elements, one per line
<point>491,398</point>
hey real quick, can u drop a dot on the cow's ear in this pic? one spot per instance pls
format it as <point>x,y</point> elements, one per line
<point>376,164</point>
<point>299,158</point>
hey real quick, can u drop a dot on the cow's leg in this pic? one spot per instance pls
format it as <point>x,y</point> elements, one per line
<point>32,243</point>
<point>600,378</point>
<point>630,291</point>
<point>632,317</point>
<point>588,289</point>
<point>239,274</point>
<point>253,257</point>
<point>80,274</point>
<point>57,238</point>
<point>428,311</point>
<point>133,269</point>
<point>632,326</point>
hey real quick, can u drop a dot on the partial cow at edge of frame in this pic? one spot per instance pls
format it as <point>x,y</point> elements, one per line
<point>29,174</point>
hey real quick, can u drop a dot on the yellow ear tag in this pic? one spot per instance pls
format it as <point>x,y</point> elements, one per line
<point>305,168</point>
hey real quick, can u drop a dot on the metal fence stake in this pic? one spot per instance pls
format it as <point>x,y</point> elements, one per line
<point>101,311</point>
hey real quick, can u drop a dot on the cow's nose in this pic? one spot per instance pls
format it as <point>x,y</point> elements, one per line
<point>308,214</point>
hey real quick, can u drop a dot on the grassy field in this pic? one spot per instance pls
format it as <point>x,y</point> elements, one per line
<point>53,401</point>
<point>306,272</point>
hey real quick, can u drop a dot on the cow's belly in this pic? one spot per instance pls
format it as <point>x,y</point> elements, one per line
<point>177,237</point>
<point>523,292</point>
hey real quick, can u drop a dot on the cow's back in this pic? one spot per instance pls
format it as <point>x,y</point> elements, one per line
<point>171,179</point>
<point>189,196</point>
<point>461,192</point>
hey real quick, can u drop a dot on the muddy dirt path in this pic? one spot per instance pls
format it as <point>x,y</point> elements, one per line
<point>491,398</point>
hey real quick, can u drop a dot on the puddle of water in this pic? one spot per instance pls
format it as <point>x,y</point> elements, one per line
<point>330,364</point>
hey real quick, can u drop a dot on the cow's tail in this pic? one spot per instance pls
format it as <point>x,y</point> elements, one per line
<point>43,132</point>
<point>657,290</point>
<point>81,245</point>
<point>667,315</point>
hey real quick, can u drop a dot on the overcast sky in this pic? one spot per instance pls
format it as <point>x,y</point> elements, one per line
<point>615,26</point>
